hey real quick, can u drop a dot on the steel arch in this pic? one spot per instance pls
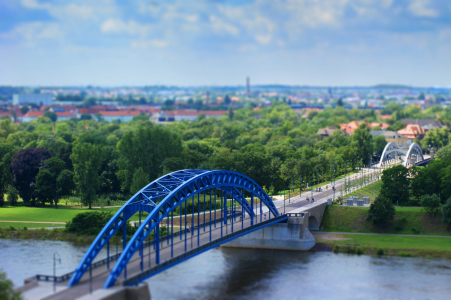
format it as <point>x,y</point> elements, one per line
<point>414,148</point>
<point>161,197</point>
<point>389,148</point>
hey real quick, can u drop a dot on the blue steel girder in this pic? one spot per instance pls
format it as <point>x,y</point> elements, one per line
<point>150,195</point>
<point>202,180</point>
<point>161,196</point>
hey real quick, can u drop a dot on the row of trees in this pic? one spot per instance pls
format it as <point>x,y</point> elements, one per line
<point>275,146</point>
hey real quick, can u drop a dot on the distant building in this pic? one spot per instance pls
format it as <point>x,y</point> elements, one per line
<point>5,114</point>
<point>426,124</point>
<point>184,115</point>
<point>328,131</point>
<point>350,127</point>
<point>380,125</point>
<point>393,136</point>
<point>412,131</point>
<point>65,115</point>
<point>32,115</point>
<point>32,99</point>
<point>122,115</point>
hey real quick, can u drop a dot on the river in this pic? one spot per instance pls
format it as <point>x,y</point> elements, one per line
<point>225,273</point>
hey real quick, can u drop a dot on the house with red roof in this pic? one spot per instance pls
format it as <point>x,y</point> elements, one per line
<point>32,115</point>
<point>412,131</point>
<point>4,114</point>
<point>121,115</point>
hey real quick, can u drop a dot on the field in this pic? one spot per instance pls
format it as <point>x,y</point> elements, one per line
<point>371,190</point>
<point>408,220</point>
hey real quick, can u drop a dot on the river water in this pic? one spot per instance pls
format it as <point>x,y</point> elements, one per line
<point>225,273</point>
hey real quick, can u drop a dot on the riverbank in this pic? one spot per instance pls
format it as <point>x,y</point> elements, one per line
<point>56,234</point>
<point>408,220</point>
<point>385,244</point>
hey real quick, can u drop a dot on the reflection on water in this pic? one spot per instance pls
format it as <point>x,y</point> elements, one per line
<point>226,273</point>
<point>25,258</point>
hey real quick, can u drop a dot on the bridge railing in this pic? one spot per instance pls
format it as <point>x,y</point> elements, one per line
<point>102,262</point>
<point>160,267</point>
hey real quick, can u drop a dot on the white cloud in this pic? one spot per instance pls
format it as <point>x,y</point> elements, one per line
<point>61,11</point>
<point>148,44</point>
<point>419,8</point>
<point>119,26</point>
<point>33,32</point>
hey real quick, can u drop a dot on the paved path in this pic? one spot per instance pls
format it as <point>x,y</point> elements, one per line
<point>384,234</point>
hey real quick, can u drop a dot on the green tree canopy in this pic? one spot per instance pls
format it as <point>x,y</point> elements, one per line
<point>395,184</point>
<point>87,160</point>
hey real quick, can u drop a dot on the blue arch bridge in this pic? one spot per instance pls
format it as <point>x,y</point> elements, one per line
<point>181,215</point>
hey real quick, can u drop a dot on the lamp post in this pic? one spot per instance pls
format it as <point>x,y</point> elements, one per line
<point>55,259</point>
<point>300,186</point>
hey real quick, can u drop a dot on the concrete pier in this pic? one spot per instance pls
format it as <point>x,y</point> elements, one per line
<point>292,235</point>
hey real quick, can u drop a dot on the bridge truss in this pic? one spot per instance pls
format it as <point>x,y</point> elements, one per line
<point>175,194</point>
<point>407,153</point>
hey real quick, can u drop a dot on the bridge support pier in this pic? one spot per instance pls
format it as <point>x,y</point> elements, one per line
<point>292,235</point>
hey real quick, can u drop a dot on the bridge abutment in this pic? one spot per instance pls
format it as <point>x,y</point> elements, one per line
<point>292,235</point>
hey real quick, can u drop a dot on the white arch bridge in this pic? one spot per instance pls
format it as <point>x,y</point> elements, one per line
<point>409,153</point>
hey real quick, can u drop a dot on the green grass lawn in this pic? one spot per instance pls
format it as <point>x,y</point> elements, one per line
<point>397,242</point>
<point>371,190</point>
<point>43,214</point>
<point>408,220</point>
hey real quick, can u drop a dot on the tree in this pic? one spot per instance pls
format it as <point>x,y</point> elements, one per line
<point>447,212</point>
<point>340,102</point>
<point>66,184</point>
<point>430,203</point>
<point>7,288</point>
<point>25,109</point>
<point>379,144</point>
<point>51,115</point>
<point>6,177</point>
<point>428,180</point>
<point>227,100</point>
<point>13,196</point>
<point>381,211</point>
<point>25,166</point>
<point>362,142</point>
<point>147,147</point>
<point>140,180</point>
<point>438,137</point>
<point>46,180</point>
<point>87,160</point>
<point>6,128</point>
<point>395,184</point>
<point>230,113</point>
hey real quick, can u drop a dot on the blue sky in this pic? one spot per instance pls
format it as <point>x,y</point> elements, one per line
<point>220,42</point>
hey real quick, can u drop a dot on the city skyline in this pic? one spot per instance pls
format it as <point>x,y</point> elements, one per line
<point>205,43</point>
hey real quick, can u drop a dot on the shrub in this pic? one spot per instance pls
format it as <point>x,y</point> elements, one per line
<point>359,251</point>
<point>13,195</point>
<point>88,223</point>
<point>447,212</point>
<point>25,228</point>
<point>400,224</point>
<point>336,249</point>
<point>430,203</point>
<point>380,251</point>
<point>7,288</point>
<point>381,211</point>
